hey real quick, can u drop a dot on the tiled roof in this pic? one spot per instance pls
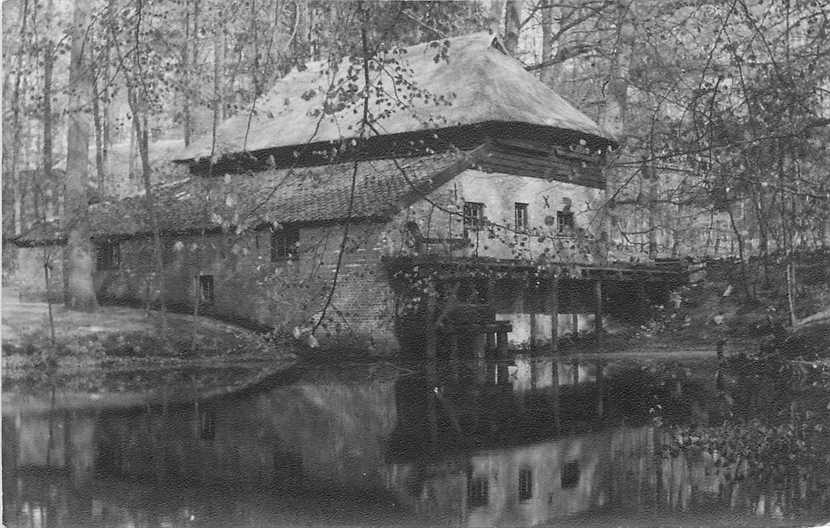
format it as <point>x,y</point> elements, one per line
<point>303,195</point>
<point>470,81</point>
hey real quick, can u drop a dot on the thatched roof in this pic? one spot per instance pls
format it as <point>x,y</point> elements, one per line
<point>473,82</point>
<point>312,195</point>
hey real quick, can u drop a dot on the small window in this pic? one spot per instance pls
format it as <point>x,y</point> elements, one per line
<point>525,484</point>
<point>207,425</point>
<point>108,255</point>
<point>206,294</point>
<point>521,216</point>
<point>284,244</point>
<point>473,216</point>
<point>565,221</point>
<point>479,492</point>
<point>570,475</point>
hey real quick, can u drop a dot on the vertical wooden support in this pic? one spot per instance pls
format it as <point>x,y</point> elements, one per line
<point>555,397</point>
<point>501,343</point>
<point>479,343</point>
<point>491,293</point>
<point>431,375</point>
<point>575,324</point>
<point>598,310</point>
<point>431,338</point>
<point>453,346</point>
<point>491,341</point>
<point>553,306</point>
<point>600,390</point>
<point>532,329</point>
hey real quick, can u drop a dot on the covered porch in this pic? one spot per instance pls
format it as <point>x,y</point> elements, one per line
<point>484,307</point>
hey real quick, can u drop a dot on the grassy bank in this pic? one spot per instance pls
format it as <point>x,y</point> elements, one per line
<point>121,349</point>
<point>731,304</point>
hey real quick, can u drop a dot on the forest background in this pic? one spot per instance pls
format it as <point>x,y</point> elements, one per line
<point>721,107</point>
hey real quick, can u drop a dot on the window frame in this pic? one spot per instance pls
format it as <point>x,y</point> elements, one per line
<point>478,492</point>
<point>206,283</point>
<point>520,216</point>
<point>207,424</point>
<point>565,222</point>
<point>107,255</point>
<point>569,476</point>
<point>282,240</point>
<point>473,216</point>
<point>525,484</point>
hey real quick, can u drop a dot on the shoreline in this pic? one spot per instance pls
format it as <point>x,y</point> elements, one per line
<point>119,350</point>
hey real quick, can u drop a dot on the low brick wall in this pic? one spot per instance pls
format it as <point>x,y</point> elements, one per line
<point>247,286</point>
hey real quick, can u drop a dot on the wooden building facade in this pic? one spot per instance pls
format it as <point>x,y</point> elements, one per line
<point>483,227</point>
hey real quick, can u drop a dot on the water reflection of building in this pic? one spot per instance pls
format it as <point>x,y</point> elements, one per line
<point>530,445</point>
<point>304,434</point>
<point>473,444</point>
<point>527,485</point>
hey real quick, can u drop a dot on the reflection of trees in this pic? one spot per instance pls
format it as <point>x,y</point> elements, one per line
<point>770,453</point>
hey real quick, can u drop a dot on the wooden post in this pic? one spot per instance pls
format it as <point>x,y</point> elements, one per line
<point>431,338</point>
<point>600,391</point>
<point>532,329</point>
<point>453,346</point>
<point>598,310</point>
<point>501,343</point>
<point>479,343</point>
<point>491,341</point>
<point>553,307</point>
<point>575,323</point>
<point>555,397</point>
<point>527,307</point>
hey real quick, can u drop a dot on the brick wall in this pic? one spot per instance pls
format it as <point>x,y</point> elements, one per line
<point>249,287</point>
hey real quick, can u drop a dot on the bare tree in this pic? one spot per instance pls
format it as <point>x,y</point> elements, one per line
<point>78,261</point>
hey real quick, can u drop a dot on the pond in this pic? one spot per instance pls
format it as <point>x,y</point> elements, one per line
<point>577,441</point>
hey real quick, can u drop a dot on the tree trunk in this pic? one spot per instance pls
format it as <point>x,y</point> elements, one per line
<point>496,16</point>
<point>612,118</point>
<point>136,99</point>
<point>48,61</point>
<point>141,134</point>
<point>106,141</point>
<point>186,75</point>
<point>218,45</point>
<point>549,75</point>
<point>512,25</point>
<point>791,290</point>
<point>96,119</point>
<point>15,186</point>
<point>78,262</point>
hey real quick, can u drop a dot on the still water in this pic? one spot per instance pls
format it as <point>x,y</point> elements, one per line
<point>531,441</point>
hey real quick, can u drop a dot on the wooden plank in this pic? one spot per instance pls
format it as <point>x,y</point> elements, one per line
<point>553,307</point>
<point>546,167</point>
<point>511,163</point>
